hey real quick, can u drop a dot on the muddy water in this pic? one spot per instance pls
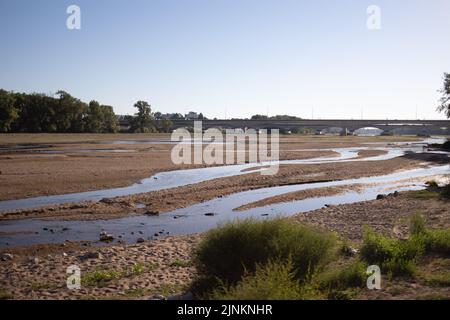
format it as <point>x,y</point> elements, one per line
<point>207,215</point>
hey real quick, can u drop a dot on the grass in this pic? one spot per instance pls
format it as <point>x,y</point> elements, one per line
<point>271,281</point>
<point>424,195</point>
<point>102,278</point>
<point>398,257</point>
<point>352,275</point>
<point>433,191</point>
<point>36,286</point>
<point>439,280</point>
<point>394,257</point>
<point>4,295</point>
<point>135,293</point>
<point>169,289</point>
<point>234,250</point>
<point>180,263</point>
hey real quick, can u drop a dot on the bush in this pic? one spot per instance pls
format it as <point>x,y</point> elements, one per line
<point>432,184</point>
<point>434,241</point>
<point>349,276</point>
<point>272,281</point>
<point>394,257</point>
<point>445,192</point>
<point>437,241</point>
<point>446,145</point>
<point>236,248</point>
<point>417,224</point>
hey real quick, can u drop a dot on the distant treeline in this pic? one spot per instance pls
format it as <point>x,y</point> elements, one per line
<point>63,113</point>
<point>37,112</point>
<point>277,117</point>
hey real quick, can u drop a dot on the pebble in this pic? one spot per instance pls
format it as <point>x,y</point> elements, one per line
<point>6,256</point>
<point>89,255</point>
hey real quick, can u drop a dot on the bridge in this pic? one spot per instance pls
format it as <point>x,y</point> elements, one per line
<point>407,127</point>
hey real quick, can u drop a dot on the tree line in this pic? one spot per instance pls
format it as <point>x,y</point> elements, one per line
<point>63,113</point>
<point>37,112</point>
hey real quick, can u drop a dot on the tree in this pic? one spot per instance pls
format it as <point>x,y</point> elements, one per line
<point>110,122</point>
<point>445,100</point>
<point>157,115</point>
<point>143,121</point>
<point>69,113</point>
<point>94,118</point>
<point>165,125</point>
<point>36,112</point>
<point>8,112</point>
<point>259,117</point>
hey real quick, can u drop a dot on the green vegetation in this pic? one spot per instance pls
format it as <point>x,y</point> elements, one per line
<point>236,249</point>
<point>277,117</point>
<point>395,257</point>
<point>180,263</point>
<point>272,281</point>
<point>63,113</point>
<point>4,295</point>
<point>445,100</point>
<point>168,289</point>
<point>282,259</point>
<point>36,286</point>
<point>35,112</point>
<point>439,280</point>
<point>424,195</point>
<point>433,191</point>
<point>351,275</point>
<point>100,278</point>
<point>398,257</point>
<point>104,277</point>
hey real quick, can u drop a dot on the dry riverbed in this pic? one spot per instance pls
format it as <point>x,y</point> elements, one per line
<point>163,267</point>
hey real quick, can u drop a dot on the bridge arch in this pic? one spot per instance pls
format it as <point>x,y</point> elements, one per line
<point>368,131</point>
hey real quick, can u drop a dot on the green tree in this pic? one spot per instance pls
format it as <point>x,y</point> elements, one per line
<point>259,117</point>
<point>143,121</point>
<point>69,113</point>
<point>8,112</point>
<point>445,100</point>
<point>165,125</point>
<point>110,122</point>
<point>94,118</point>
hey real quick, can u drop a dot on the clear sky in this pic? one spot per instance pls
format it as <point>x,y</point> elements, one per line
<point>233,58</point>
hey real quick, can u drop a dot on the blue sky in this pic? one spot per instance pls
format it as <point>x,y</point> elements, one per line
<point>233,58</point>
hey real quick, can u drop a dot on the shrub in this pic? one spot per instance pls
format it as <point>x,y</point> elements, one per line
<point>236,248</point>
<point>446,145</point>
<point>349,276</point>
<point>434,241</point>
<point>437,241</point>
<point>417,224</point>
<point>272,281</point>
<point>445,191</point>
<point>432,184</point>
<point>100,277</point>
<point>394,257</point>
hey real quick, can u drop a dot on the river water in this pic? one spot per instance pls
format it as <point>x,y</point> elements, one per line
<point>207,215</point>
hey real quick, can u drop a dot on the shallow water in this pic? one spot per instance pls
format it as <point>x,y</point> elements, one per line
<point>177,178</point>
<point>201,217</point>
<point>204,216</point>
